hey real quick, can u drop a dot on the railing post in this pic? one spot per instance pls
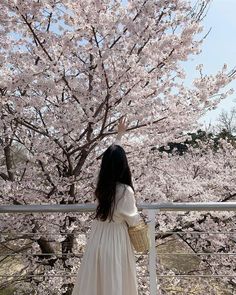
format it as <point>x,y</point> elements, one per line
<point>152,253</point>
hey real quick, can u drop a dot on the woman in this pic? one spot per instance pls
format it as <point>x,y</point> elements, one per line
<point>108,265</point>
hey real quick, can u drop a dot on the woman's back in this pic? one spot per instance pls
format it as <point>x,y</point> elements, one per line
<point>125,210</point>
<point>109,251</point>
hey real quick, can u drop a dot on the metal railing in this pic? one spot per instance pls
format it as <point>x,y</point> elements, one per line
<point>152,209</point>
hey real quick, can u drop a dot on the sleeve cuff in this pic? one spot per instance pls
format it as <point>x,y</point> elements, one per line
<point>117,141</point>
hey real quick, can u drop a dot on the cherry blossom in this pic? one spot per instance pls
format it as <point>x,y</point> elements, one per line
<point>69,70</point>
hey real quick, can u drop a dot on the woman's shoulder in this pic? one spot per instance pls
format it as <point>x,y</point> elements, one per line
<point>127,188</point>
<point>125,196</point>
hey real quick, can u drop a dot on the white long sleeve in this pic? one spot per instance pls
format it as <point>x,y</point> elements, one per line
<point>118,141</point>
<point>127,208</point>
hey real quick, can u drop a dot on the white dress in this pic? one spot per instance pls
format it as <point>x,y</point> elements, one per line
<point>108,265</point>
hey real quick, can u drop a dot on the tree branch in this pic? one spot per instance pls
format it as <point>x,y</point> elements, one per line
<point>35,35</point>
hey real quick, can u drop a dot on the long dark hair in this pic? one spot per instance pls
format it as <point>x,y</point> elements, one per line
<point>114,168</point>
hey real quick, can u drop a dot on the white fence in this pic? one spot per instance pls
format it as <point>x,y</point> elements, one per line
<point>151,209</point>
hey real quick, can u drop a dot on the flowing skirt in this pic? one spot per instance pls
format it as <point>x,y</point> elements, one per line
<point>108,265</point>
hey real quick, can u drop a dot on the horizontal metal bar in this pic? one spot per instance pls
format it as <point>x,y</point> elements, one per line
<point>199,253</point>
<point>46,254</point>
<point>196,276</point>
<point>208,206</point>
<point>198,232</point>
<point>159,276</point>
<point>157,232</point>
<point>81,254</point>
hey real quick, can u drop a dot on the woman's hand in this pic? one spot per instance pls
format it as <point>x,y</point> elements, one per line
<point>122,126</point>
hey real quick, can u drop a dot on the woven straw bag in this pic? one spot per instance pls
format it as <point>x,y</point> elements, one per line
<point>140,236</point>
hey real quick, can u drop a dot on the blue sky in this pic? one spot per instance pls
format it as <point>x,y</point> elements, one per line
<point>218,48</point>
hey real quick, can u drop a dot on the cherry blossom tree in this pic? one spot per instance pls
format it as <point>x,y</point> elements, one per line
<point>205,172</point>
<point>69,71</point>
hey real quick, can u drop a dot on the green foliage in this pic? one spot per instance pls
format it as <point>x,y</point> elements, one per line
<point>196,137</point>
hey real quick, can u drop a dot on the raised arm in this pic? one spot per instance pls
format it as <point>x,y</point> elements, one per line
<point>122,126</point>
